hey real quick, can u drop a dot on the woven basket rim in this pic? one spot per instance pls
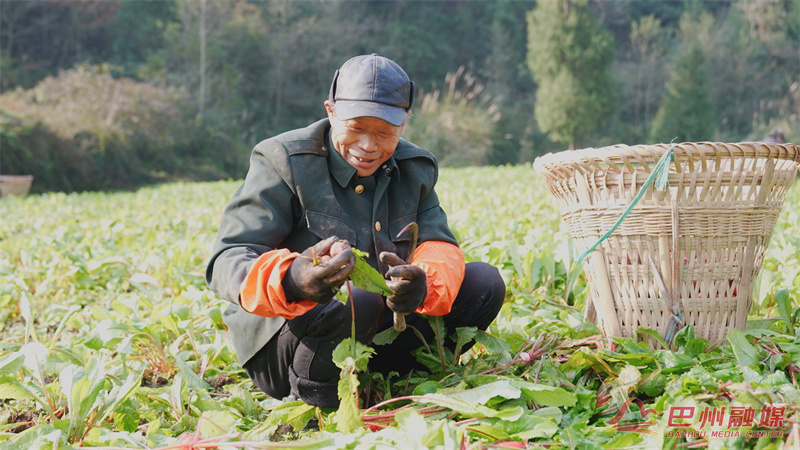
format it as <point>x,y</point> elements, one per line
<point>16,178</point>
<point>696,240</point>
<point>651,153</point>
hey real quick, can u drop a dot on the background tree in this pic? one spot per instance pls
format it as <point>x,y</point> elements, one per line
<point>570,56</point>
<point>758,64</point>
<point>510,85</point>
<point>687,112</point>
<point>642,75</point>
<point>268,63</point>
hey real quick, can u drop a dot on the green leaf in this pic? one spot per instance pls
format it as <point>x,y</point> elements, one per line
<point>684,335</point>
<point>153,427</point>
<point>35,356</point>
<point>695,347</point>
<point>126,419</point>
<point>216,423</point>
<point>299,416</point>
<point>43,436</point>
<point>537,428</point>
<point>193,381</point>
<point>470,409</point>
<point>461,337</point>
<point>417,432</point>
<point>431,361</point>
<point>745,353</point>
<point>653,387</point>
<point>242,399</point>
<point>492,343</point>
<point>366,277</point>
<point>492,432</point>
<point>342,295</point>
<point>12,363</point>
<point>81,401</point>
<point>427,387</point>
<point>215,314</point>
<point>27,313</point>
<point>411,423</point>
<point>784,302</point>
<point>351,354</point>
<point>482,394</point>
<point>14,390</point>
<point>348,417</point>
<point>386,336</point>
<point>545,395</point>
<point>125,346</point>
<point>628,377</point>
<point>654,334</point>
<point>120,394</point>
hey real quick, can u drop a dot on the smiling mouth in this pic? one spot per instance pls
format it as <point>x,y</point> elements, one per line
<point>363,160</point>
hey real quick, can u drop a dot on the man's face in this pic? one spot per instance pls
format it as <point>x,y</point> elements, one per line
<point>364,142</point>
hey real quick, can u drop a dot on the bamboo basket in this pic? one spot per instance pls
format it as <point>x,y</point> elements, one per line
<point>15,185</point>
<point>687,254</point>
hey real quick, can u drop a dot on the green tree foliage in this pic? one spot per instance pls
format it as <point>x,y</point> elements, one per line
<point>136,32</point>
<point>642,77</point>
<point>267,65</point>
<point>756,76</point>
<point>569,56</point>
<point>687,111</point>
<point>510,85</point>
<point>40,37</point>
<point>251,69</point>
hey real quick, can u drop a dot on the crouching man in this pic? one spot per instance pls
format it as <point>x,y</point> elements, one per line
<point>351,179</point>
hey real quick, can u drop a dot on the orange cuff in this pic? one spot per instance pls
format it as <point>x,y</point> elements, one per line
<point>443,264</point>
<point>262,293</point>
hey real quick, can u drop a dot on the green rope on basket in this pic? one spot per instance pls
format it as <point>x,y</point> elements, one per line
<point>660,174</point>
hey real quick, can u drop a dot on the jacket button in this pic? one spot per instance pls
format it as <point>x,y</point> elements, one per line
<point>324,149</point>
<point>377,226</point>
<point>359,189</point>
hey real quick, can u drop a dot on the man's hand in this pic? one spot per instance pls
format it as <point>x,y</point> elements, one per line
<point>407,281</point>
<point>316,275</point>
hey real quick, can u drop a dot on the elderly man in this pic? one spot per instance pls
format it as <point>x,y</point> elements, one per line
<point>349,179</point>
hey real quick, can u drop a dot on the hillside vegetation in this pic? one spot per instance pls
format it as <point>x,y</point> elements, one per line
<point>498,81</point>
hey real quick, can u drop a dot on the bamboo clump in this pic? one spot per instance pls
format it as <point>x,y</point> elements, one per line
<point>687,254</point>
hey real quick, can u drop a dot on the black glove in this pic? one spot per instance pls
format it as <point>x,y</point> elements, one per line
<point>318,283</point>
<point>407,281</point>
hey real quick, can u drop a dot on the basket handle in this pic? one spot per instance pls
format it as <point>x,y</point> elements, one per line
<point>661,172</point>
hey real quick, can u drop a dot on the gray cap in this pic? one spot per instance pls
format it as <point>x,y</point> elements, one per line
<point>372,86</point>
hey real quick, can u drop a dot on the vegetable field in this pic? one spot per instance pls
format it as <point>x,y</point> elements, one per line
<point>110,338</point>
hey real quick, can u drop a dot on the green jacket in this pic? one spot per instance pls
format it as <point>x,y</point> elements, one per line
<point>299,191</point>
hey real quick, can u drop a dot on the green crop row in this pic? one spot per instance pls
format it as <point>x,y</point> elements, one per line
<point>110,338</point>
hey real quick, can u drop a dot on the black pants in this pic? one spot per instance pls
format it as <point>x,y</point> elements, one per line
<point>297,360</point>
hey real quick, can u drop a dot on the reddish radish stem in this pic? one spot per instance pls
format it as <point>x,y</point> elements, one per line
<point>314,257</point>
<point>498,368</point>
<point>352,315</point>
<point>319,420</point>
<point>471,419</point>
<point>421,338</point>
<point>536,352</point>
